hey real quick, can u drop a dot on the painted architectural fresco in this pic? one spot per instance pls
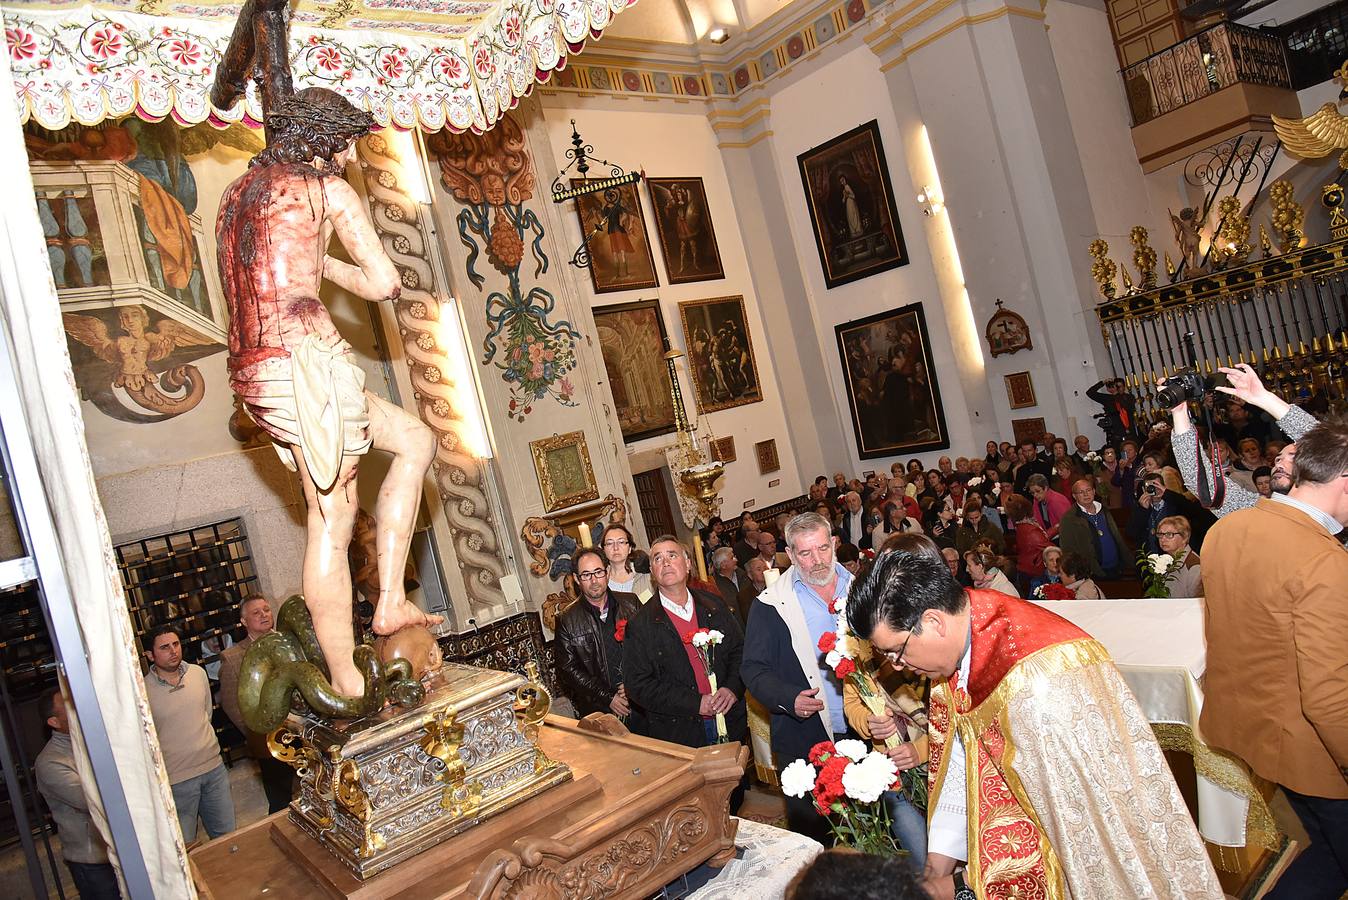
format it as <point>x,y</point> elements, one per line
<point>492,176</point>
<point>118,204</point>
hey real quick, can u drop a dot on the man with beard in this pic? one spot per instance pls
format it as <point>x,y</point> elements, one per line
<point>783,666</point>
<point>590,641</point>
<point>1245,384</point>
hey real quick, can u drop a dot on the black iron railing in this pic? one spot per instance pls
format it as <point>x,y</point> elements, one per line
<point>1316,44</point>
<point>1213,59</point>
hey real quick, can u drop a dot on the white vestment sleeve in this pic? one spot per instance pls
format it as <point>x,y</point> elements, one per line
<point>948,833</point>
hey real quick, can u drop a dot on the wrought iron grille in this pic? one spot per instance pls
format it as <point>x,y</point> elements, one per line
<point>1316,44</point>
<point>1213,59</point>
<point>192,580</point>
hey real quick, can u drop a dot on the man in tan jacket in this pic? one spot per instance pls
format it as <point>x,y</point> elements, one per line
<point>1277,668</point>
<point>277,777</point>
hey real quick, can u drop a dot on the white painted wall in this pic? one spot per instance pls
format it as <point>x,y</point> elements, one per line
<point>806,112</point>
<point>674,145</point>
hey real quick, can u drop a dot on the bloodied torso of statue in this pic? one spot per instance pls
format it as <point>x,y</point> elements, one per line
<point>272,236</point>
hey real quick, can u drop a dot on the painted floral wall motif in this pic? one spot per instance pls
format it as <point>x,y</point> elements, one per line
<point>492,176</point>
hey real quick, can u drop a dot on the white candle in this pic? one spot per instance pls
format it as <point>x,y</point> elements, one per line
<point>770,577</point>
<point>585,540</point>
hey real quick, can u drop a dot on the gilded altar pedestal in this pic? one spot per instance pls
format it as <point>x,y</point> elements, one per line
<point>639,814</point>
<point>379,790</point>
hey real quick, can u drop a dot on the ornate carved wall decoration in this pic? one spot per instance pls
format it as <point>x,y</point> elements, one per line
<point>492,175</point>
<point>552,549</point>
<point>1007,332</point>
<point>460,477</point>
<point>509,645</point>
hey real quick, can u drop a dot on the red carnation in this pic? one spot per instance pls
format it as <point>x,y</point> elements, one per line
<point>820,751</point>
<point>844,668</point>
<point>1055,591</point>
<point>620,630</point>
<point>828,641</point>
<point>688,638</point>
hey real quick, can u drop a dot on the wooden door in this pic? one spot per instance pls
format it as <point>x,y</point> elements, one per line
<point>653,499</point>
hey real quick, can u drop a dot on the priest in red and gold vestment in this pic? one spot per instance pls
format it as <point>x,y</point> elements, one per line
<point>1046,780</point>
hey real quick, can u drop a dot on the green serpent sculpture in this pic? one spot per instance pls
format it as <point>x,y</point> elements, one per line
<point>289,660</point>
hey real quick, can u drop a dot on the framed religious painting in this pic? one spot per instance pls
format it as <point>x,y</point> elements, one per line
<point>683,223</point>
<point>766,452</point>
<point>1023,430</point>
<point>616,240</point>
<point>1020,390</point>
<point>722,449</point>
<point>565,475</point>
<point>633,342</point>
<point>891,383</point>
<point>720,354</point>
<point>851,204</point>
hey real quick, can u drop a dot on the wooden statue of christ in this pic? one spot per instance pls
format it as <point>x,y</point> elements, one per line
<point>295,374</point>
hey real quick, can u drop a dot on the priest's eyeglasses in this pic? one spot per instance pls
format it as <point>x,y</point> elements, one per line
<point>897,658</point>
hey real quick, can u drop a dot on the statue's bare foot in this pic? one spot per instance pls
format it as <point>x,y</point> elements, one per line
<point>391,616</point>
<point>347,680</point>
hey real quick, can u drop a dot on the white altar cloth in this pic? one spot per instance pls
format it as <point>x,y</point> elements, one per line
<point>1160,648</point>
<point>769,858</point>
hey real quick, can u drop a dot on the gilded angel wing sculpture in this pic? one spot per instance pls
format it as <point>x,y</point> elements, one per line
<point>1319,134</point>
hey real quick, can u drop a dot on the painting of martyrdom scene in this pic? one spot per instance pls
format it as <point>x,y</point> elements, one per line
<point>720,354</point>
<point>633,341</point>
<point>891,384</point>
<point>615,237</point>
<point>851,202</point>
<point>683,223</point>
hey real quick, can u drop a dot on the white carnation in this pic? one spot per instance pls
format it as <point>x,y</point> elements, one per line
<point>866,780</point>
<point>852,749</point>
<point>975,481</point>
<point>996,490</point>
<point>832,659</point>
<point>798,779</point>
<point>1160,562</point>
<point>714,637</point>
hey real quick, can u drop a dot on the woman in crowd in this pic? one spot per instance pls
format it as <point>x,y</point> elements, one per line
<point>1126,474</point>
<point>1173,533</point>
<point>1076,574</point>
<point>976,530</point>
<point>825,509</point>
<point>939,524</point>
<point>993,457</point>
<point>1065,471</point>
<point>617,545</point>
<point>1052,574</point>
<point>1104,479</point>
<point>985,569</point>
<point>1049,505</point>
<point>894,520</point>
<point>1031,539</point>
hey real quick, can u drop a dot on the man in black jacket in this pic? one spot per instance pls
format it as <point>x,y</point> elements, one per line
<point>1154,502</point>
<point>590,642</point>
<point>1120,410</point>
<point>664,676</point>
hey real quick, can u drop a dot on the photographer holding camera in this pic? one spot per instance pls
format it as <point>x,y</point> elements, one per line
<point>1155,502</point>
<point>1243,383</point>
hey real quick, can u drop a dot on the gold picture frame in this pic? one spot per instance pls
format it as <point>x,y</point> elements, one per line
<point>565,475</point>
<point>766,451</point>
<point>723,449</point>
<point>1020,390</point>
<point>720,353</point>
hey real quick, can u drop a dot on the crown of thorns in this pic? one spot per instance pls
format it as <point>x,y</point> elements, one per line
<point>338,116</point>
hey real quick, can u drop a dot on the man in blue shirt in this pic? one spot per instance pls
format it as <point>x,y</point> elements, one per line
<point>783,666</point>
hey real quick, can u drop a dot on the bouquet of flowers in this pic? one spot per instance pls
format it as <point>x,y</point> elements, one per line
<point>1158,570</point>
<point>1054,591</point>
<point>1092,459</point>
<point>841,649</point>
<point>704,641</point>
<point>973,482</point>
<point>846,782</point>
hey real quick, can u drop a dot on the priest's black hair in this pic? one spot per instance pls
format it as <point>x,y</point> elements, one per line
<point>840,875</point>
<point>898,589</point>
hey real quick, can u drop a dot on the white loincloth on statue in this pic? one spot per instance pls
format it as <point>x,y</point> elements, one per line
<point>313,399</point>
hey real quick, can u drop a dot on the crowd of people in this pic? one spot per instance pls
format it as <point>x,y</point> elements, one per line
<point>927,566</point>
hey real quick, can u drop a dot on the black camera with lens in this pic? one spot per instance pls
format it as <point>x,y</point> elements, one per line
<point>1187,383</point>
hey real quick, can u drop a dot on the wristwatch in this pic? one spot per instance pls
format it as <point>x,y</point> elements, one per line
<point>962,890</point>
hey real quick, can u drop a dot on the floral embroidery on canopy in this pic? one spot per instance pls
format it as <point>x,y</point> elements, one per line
<point>457,65</point>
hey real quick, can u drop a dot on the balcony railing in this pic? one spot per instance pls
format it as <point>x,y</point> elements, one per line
<point>1213,59</point>
<point>1316,44</point>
